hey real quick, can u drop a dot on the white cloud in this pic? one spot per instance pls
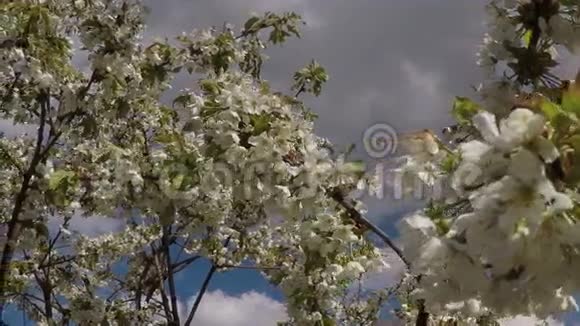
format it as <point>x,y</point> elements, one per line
<point>529,321</point>
<point>249,309</point>
<point>425,90</point>
<point>91,226</point>
<point>419,80</point>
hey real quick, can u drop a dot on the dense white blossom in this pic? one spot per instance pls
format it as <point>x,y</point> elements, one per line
<point>229,170</point>
<point>505,242</point>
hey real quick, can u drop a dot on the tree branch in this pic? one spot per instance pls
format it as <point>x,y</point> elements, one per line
<point>261,268</point>
<point>358,218</point>
<point>422,315</point>
<point>164,299</point>
<point>170,280</point>
<point>39,153</point>
<point>200,295</point>
<point>203,289</point>
<point>14,223</point>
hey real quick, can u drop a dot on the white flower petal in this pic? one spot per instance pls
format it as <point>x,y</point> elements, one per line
<point>486,124</point>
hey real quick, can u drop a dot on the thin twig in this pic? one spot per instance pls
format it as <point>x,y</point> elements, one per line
<point>203,289</point>
<point>423,315</point>
<point>14,224</point>
<point>358,218</point>
<point>263,268</point>
<point>159,275</point>
<point>170,280</point>
<point>177,267</point>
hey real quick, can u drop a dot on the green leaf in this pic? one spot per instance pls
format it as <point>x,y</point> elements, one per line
<point>261,123</point>
<point>527,37</point>
<point>327,321</point>
<point>464,109</point>
<point>355,167</point>
<point>563,121</point>
<point>550,109</point>
<point>58,177</point>
<point>248,26</point>
<point>41,229</point>
<point>264,87</point>
<point>450,163</point>
<point>571,102</point>
<point>210,86</point>
<point>573,176</point>
<point>177,181</point>
<point>165,137</point>
<point>182,100</point>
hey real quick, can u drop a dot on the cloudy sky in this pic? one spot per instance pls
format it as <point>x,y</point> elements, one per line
<point>396,62</point>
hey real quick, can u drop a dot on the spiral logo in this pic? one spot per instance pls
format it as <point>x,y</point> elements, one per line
<point>380,140</point>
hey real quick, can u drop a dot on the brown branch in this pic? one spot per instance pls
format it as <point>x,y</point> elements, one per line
<point>170,280</point>
<point>39,153</point>
<point>32,304</point>
<point>178,267</point>
<point>262,268</point>
<point>203,289</point>
<point>161,286</point>
<point>422,315</point>
<point>14,224</point>
<point>360,219</point>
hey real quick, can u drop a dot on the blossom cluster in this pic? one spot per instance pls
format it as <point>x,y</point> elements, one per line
<point>505,241</point>
<point>230,171</point>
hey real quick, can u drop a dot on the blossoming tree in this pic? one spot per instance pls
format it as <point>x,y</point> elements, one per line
<point>229,171</point>
<point>505,239</point>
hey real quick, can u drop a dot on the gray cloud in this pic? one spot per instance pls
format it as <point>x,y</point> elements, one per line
<point>381,56</point>
<point>395,62</point>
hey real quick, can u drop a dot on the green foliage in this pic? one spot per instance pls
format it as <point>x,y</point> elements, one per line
<point>464,109</point>
<point>527,37</point>
<point>60,178</point>
<point>436,212</point>
<point>571,102</point>
<point>310,79</point>
<point>357,167</point>
<point>35,30</point>
<point>550,109</point>
<point>260,123</point>
<point>61,185</point>
<point>282,26</point>
<point>450,163</point>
